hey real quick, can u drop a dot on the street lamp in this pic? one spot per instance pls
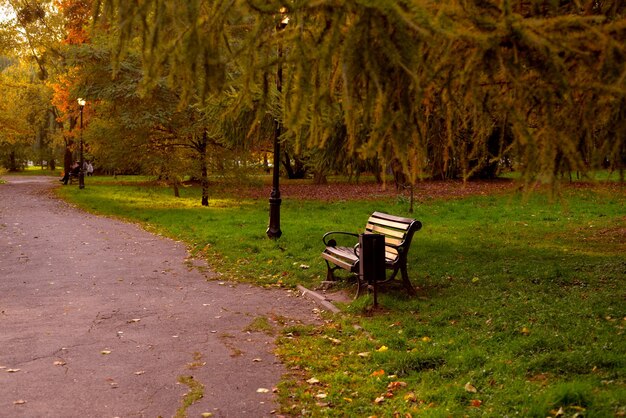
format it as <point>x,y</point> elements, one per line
<point>81,172</point>
<point>273,230</point>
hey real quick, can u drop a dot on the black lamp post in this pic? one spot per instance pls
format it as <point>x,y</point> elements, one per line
<point>81,173</point>
<point>273,230</point>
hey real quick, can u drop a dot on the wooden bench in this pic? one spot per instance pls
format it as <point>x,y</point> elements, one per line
<point>398,234</point>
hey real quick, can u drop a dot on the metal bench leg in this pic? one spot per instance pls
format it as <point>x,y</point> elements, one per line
<point>330,276</point>
<point>405,280</point>
<point>360,286</point>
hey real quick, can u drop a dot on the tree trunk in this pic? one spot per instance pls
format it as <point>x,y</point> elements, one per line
<point>203,170</point>
<point>12,161</point>
<point>287,165</point>
<point>297,171</point>
<point>319,177</point>
<point>266,165</point>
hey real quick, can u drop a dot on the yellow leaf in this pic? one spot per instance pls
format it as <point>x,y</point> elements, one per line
<point>426,339</point>
<point>410,397</point>
<point>206,414</point>
<point>525,331</point>
<point>347,399</point>
<point>262,390</point>
<point>382,349</point>
<point>470,388</point>
<point>105,352</point>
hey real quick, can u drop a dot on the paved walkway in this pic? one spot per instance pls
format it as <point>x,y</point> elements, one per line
<point>99,318</point>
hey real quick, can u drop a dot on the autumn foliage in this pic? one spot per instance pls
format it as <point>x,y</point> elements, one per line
<point>77,14</point>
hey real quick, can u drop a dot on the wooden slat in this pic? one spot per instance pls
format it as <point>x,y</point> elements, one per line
<point>392,217</point>
<point>391,256</point>
<point>393,241</point>
<point>343,252</point>
<point>341,263</point>
<point>391,250</point>
<point>393,224</point>
<point>384,231</point>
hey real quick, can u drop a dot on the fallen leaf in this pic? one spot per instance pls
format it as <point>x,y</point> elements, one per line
<point>470,388</point>
<point>426,339</point>
<point>334,340</point>
<point>396,385</point>
<point>19,402</point>
<point>321,395</point>
<point>525,331</point>
<point>304,266</point>
<point>349,400</point>
<point>206,414</point>
<point>382,349</point>
<point>380,372</point>
<point>476,403</point>
<point>130,321</point>
<point>139,373</point>
<point>13,370</point>
<point>410,397</point>
<point>257,360</point>
<point>59,363</point>
<point>364,354</point>
<point>379,400</point>
<point>262,390</point>
<point>105,352</point>
<point>312,381</point>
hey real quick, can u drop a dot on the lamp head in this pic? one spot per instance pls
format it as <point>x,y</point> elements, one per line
<point>82,102</point>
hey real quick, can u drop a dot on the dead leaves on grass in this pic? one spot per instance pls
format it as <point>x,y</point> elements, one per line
<point>367,191</point>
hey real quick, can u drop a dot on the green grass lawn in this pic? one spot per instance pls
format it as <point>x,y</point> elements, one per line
<point>521,303</point>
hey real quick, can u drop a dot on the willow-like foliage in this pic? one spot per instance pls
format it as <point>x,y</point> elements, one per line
<point>445,87</point>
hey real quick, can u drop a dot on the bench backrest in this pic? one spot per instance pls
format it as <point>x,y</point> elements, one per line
<point>398,232</point>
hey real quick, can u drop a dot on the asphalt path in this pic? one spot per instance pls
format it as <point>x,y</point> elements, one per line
<point>99,318</point>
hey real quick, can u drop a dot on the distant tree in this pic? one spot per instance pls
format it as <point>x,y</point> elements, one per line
<point>24,115</point>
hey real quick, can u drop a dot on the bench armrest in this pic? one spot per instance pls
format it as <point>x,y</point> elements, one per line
<point>331,242</point>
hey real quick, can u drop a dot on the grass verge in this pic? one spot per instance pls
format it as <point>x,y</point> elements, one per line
<point>520,309</point>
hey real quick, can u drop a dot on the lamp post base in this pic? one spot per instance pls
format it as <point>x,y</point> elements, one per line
<point>81,180</point>
<point>273,231</point>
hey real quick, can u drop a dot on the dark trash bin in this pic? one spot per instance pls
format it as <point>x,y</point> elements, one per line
<point>372,260</point>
